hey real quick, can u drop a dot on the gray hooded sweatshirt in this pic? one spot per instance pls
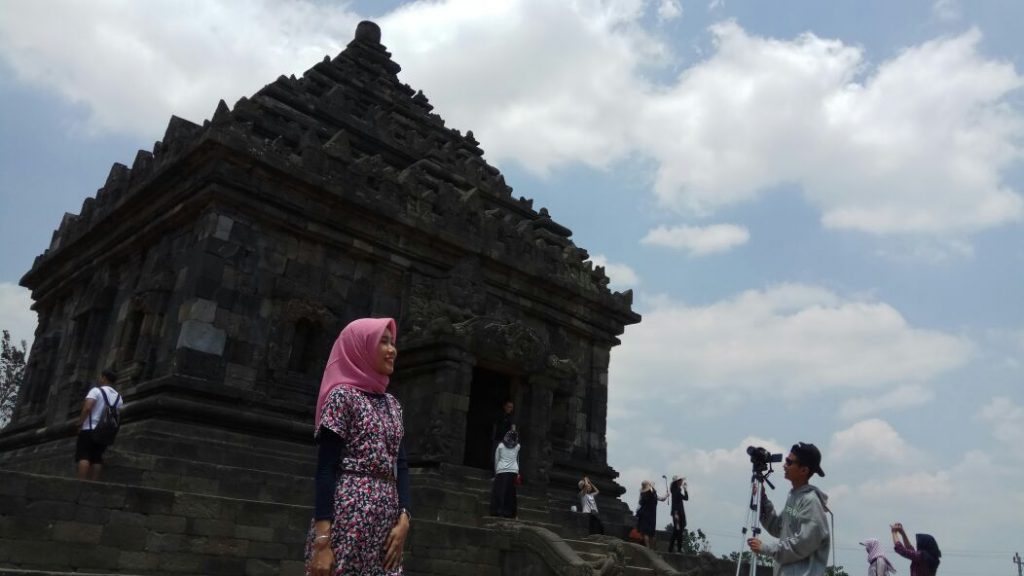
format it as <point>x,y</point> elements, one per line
<point>802,530</point>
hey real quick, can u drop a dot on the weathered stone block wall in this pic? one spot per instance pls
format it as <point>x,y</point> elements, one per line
<point>453,550</point>
<point>49,523</point>
<point>108,312</point>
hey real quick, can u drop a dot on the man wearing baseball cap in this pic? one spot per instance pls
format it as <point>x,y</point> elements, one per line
<point>802,529</point>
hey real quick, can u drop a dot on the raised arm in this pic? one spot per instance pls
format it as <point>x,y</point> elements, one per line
<point>897,529</point>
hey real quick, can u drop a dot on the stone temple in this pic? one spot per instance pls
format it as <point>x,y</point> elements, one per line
<point>213,276</point>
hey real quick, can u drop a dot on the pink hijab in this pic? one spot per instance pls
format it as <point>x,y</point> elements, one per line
<point>352,357</point>
<point>875,552</point>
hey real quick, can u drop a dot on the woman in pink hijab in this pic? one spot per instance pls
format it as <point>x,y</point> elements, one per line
<point>361,514</point>
<point>878,564</point>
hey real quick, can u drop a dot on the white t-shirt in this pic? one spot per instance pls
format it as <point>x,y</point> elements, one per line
<point>98,406</point>
<point>588,503</point>
<point>506,459</point>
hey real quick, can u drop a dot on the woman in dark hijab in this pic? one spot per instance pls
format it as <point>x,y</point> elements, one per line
<point>924,560</point>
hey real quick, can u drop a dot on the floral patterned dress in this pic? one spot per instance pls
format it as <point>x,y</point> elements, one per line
<point>365,496</point>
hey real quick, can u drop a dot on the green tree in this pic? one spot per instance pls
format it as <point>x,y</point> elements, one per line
<point>12,374</point>
<point>835,571</point>
<point>693,542</point>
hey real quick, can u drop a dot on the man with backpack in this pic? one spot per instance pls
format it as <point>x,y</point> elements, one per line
<point>98,424</point>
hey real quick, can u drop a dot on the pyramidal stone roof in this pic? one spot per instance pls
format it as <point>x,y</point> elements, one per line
<point>350,126</point>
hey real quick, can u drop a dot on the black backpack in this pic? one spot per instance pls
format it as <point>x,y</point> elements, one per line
<point>105,430</point>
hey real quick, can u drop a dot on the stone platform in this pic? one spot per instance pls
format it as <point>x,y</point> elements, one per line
<point>170,504</point>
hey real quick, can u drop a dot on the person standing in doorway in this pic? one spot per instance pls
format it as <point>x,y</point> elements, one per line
<point>88,451</point>
<point>504,421</point>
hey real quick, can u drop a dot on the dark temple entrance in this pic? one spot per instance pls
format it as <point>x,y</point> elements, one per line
<point>486,394</point>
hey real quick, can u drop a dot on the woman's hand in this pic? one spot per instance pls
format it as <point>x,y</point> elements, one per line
<point>323,561</point>
<point>395,542</point>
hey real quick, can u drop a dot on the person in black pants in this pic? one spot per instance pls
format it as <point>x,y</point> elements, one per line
<point>678,491</point>
<point>588,505</point>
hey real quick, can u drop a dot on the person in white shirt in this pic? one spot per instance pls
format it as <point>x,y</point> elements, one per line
<point>506,469</point>
<point>588,505</point>
<point>88,452</point>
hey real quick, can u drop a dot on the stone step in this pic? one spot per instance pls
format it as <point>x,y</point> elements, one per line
<point>591,557</point>
<point>547,525</point>
<point>59,526</point>
<point>16,572</point>
<point>587,547</point>
<point>262,444</point>
<point>55,457</point>
<point>533,514</point>
<point>301,460</point>
<point>169,473</point>
<point>638,571</point>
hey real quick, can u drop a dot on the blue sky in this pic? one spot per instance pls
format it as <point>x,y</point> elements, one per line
<point>818,206</point>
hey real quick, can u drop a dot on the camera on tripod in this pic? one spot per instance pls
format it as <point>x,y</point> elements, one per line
<point>761,458</point>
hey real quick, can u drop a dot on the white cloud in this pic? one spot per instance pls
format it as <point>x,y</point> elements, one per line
<point>792,338</point>
<point>134,64</point>
<point>1006,419</point>
<point>895,399</point>
<point>946,10</point>
<point>918,486</point>
<point>699,240</point>
<point>669,10</point>
<point>576,107</point>
<point>928,249</point>
<point>16,315</point>
<point>870,439</point>
<point>620,276</point>
<point>916,145</point>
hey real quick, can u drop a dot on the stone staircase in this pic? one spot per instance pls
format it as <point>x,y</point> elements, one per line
<point>172,504</point>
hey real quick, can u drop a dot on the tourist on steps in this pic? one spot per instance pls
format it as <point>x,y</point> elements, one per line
<point>89,451</point>
<point>588,505</point>
<point>679,493</point>
<point>361,515</point>
<point>647,513</point>
<point>506,468</point>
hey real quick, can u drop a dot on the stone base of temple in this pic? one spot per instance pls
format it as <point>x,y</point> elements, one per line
<point>189,498</point>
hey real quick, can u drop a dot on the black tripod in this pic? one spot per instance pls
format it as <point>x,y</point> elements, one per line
<point>758,479</point>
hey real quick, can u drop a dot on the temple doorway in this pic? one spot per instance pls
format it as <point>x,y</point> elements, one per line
<point>487,392</point>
